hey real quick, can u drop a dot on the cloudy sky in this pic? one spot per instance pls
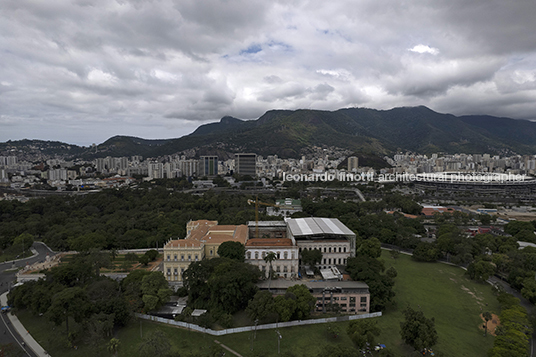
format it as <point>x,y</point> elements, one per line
<point>81,71</point>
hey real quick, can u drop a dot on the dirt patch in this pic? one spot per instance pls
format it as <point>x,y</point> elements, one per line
<point>470,293</point>
<point>492,324</point>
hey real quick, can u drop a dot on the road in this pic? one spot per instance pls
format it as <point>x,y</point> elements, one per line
<point>7,279</point>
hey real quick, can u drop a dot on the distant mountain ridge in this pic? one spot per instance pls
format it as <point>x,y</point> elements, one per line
<point>371,131</point>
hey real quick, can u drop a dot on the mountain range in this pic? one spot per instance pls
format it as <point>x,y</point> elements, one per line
<point>360,130</point>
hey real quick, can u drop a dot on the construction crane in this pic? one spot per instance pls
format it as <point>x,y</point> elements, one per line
<point>257,203</point>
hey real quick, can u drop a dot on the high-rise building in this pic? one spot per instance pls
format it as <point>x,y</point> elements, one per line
<point>353,163</point>
<point>189,167</point>
<point>208,166</point>
<point>156,170</point>
<point>246,164</point>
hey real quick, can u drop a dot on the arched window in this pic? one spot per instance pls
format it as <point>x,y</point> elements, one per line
<point>248,255</point>
<point>286,255</point>
<point>256,255</point>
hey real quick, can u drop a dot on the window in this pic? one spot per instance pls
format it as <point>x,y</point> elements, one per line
<point>211,252</point>
<point>329,261</point>
<point>169,258</point>
<point>189,257</point>
<point>363,299</point>
<point>263,255</point>
<point>345,249</point>
<point>168,271</point>
<point>285,269</point>
<point>340,249</point>
<point>182,257</point>
<point>330,249</point>
<point>175,257</point>
<point>248,254</point>
<point>324,261</point>
<point>196,257</point>
<point>278,255</point>
<point>175,271</point>
<point>182,271</point>
<point>278,269</point>
<point>324,249</point>
<point>339,260</point>
<point>286,255</point>
<point>257,255</point>
<point>344,298</point>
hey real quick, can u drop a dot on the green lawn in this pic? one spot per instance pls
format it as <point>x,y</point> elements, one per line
<point>440,290</point>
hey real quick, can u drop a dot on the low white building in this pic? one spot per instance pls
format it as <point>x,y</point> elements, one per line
<point>287,256</point>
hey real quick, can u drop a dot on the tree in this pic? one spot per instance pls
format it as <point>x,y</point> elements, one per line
<point>371,247</point>
<point>232,250</point>
<point>261,305</point>
<point>362,332</point>
<point>269,258</point>
<point>155,290</point>
<point>311,257</point>
<point>232,285</point>
<point>367,269</point>
<point>285,307</point>
<point>487,316</point>
<point>70,302</point>
<point>418,331</point>
<point>305,301</point>
<point>480,270</point>
<point>221,283</point>
<point>425,252</point>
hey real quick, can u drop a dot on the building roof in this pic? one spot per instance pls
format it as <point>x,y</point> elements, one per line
<point>220,234</point>
<point>183,243</point>
<point>430,210</point>
<point>269,242</point>
<point>317,226</point>
<point>268,224</point>
<point>282,284</point>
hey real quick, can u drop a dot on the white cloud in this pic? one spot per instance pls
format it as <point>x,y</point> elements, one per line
<point>424,49</point>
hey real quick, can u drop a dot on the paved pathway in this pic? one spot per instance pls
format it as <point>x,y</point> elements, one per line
<point>29,341</point>
<point>228,349</point>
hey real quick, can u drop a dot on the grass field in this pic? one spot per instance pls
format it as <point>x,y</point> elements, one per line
<point>440,290</point>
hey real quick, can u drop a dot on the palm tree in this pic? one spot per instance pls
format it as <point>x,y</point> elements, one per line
<point>269,258</point>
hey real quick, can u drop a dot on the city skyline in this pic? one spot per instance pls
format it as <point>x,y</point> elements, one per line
<point>83,71</point>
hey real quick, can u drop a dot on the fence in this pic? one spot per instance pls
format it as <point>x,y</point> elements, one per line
<point>259,327</point>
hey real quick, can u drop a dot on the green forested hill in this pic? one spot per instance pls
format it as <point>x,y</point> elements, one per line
<point>370,131</point>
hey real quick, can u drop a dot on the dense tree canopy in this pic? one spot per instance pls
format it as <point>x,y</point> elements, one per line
<point>221,284</point>
<point>418,331</point>
<point>120,219</point>
<point>369,270</point>
<point>232,250</point>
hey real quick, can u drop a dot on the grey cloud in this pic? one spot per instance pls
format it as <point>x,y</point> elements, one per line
<point>139,67</point>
